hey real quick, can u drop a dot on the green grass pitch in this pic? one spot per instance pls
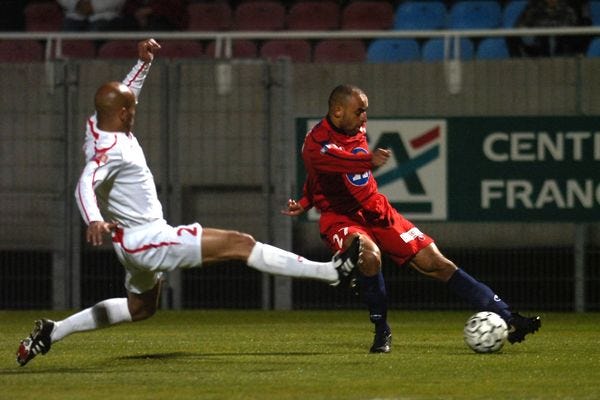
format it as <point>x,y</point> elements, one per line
<point>301,355</point>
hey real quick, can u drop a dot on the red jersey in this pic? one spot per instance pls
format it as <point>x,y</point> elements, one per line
<point>339,177</point>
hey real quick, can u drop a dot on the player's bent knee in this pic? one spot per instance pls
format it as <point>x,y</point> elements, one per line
<point>143,306</point>
<point>440,268</point>
<point>370,258</point>
<point>142,311</point>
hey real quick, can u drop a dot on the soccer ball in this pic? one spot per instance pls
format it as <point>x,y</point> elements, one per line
<point>485,332</point>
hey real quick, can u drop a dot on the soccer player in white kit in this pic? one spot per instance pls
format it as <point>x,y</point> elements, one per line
<point>116,194</point>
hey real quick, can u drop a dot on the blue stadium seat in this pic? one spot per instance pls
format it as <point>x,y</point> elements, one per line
<point>594,48</point>
<point>393,50</point>
<point>492,49</point>
<point>420,15</point>
<point>433,49</point>
<point>511,12</point>
<point>484,14</point>
<point>595,12</point>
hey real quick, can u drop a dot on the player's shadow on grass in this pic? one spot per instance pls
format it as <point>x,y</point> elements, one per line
<point>186,354</point>
<point>37,371</point>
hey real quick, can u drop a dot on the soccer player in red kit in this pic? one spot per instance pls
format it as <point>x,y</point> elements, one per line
<point>340,185</point>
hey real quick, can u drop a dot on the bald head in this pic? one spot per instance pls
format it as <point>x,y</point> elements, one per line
<point>348,108</point>
<point>115,107</point>
<point>341,94</point>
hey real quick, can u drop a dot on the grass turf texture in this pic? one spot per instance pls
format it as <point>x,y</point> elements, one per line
<point>301,355</point>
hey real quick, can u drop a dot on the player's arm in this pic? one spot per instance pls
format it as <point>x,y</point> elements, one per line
<point>327,157</point>
<point>96,230</point>
<point>94,172</point>
<point>380,156</point>
<point>300,206</point>
<point>295,208</point>
<point>136,77</point>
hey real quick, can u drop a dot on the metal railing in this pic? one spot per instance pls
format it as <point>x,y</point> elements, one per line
<point>224,39</point>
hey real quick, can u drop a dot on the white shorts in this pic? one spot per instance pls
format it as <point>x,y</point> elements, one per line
<point>148,250</point>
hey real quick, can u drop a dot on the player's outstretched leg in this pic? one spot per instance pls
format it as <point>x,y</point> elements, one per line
<point>37,342</point>
<point>520,326</point>
<point>345,263</point>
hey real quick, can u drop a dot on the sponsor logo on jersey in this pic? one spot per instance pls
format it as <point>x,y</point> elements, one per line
<point>411,235</point>
<point>359,179</point>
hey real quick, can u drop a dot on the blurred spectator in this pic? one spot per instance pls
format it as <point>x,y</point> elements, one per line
<point>551,14</point>
<point>94,15</point>
<point>157,15</point>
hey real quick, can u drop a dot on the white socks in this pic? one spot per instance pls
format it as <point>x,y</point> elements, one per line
<point>103,314</point>
<point>274,260</point>
<point>263,257</point>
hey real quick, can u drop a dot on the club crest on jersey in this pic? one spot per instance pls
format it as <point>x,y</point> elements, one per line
<point>360,179</point>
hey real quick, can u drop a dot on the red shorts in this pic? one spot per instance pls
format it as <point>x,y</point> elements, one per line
<point>399,239</point>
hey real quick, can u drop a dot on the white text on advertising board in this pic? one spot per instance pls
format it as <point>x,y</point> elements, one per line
<point>561,148</point>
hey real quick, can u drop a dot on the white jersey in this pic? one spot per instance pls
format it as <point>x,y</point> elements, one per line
<point>116,184</point>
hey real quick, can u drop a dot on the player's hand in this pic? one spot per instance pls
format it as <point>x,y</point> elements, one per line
<point>146,49</point>
<point>293,208</point>
<point>380,156</point>
<point>96,230</point>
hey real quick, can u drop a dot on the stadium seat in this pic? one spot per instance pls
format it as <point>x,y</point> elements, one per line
<point>76,49</point>
<point>595,12</point>
<point>367,15</point>
<point>296,50</point>
<point>594,48</point>
<point>215,16</point>
<point>314,15</point>
<point>181,49</point>
<point>393,50</point>
<point>511,12</point>
<point>433,49</point>
<point>259,16</point>
<point>46,16</point>
<point>118,49</point>
<point>241,48</point>
<point>483,14</point>
<point>420,15</point>
<point>492,49</point>
<point>21,51</point>
<point>333,50</point>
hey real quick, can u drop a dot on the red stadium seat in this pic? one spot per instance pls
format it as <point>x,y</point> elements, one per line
<point>240,48</point>
<point>373,15</point>
<point>314,15</point>
<point>209,17</point>
<point>21,51</point>
<point>332,50</point>
<point>44,16</point>
<point>119,49</point>
<point>180,49</point>
<point>259,16</point>
<point>296,50</point>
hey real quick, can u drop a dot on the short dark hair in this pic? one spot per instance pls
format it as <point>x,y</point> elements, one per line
<point>340,94</point>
